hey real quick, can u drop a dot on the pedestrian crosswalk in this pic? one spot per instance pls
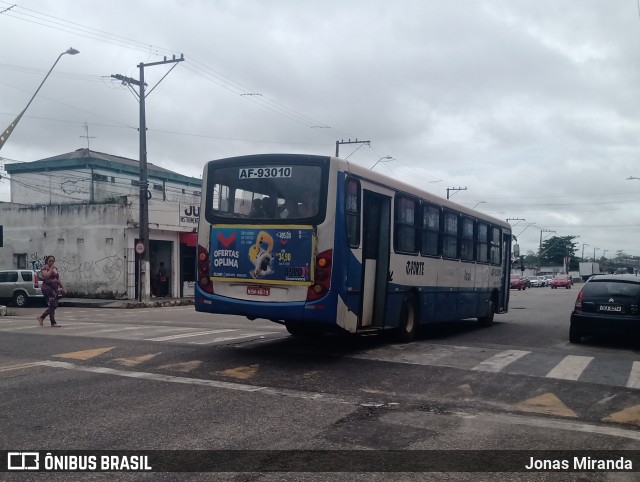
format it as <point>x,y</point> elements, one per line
<point>142,332</point>
<point>570,368</point>
<point>621,371</point>
<point>602,368</point>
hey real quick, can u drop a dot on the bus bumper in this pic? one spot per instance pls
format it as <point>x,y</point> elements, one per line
<point>322,310</point>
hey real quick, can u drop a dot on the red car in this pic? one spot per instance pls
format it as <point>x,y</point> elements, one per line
<point>561,281</point>
<point>518,282</point>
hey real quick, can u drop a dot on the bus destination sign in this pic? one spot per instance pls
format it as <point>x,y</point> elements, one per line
<point>264,172</point>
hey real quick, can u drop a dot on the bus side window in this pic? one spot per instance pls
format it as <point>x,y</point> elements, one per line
<point>496,256</point>
<point>430,236</point>
<point>482,243</point>
<point>352,212</point>
<point>466,240</point>
<point>405,229</point>
<point>450,239</point>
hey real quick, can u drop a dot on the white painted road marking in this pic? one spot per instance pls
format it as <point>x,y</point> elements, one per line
<point>323,397</point>
<point>186,335</point>
<point>198,381</point>
<point>634,376</point>
<point>500,360</point>
<point>228,338</point>
<point>570,368</point>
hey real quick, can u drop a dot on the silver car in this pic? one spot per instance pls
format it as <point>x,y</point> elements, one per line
<point>20,286</point>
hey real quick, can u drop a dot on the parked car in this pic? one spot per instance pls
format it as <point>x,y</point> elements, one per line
<point>21,286</point>
<point>518,282</point>
<point>538,282</point>
<point>606,304</point>
<point>561,281</point>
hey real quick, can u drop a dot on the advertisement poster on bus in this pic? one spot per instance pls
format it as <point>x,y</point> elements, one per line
<point>274,254</point>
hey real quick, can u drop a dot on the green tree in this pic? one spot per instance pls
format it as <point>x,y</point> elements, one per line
<point>531,259</point>
<point>556,248</point>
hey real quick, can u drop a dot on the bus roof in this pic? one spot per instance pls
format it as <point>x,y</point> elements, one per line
<point>378,178</point>
<point>401,186</point>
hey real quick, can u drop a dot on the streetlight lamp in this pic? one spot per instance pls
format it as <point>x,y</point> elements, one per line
<point>5,135</point>
<point>386,159</point>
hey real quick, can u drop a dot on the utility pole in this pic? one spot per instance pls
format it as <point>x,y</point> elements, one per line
<point>349,142</point>
<point>455,190</point>
<point>143,278</point>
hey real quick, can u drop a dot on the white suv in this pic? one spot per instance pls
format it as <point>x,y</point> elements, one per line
<point>20,286</point>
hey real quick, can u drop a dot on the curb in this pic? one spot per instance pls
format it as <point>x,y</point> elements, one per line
<point>94,303</point>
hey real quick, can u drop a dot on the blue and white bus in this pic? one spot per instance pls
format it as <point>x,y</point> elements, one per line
<point>320,244</point>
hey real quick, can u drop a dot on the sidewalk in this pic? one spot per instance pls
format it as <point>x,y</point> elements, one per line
<point>100,303</point>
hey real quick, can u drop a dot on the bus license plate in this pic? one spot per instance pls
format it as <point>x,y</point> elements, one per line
<point>611,308</point>
<point>258,290</point>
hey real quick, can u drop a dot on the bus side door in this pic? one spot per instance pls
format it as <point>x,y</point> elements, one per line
<point>376,247</point>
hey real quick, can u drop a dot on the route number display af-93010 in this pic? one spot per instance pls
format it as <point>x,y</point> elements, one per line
<point>264,172</point>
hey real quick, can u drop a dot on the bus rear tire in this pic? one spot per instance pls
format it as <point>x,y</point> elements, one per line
<point>487,320</point>
<point>408,320</point>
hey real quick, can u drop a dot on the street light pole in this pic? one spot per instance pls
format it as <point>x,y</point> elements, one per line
<point>583,245</point>
<point>5,135</point>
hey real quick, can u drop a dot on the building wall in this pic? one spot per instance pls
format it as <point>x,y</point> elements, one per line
<point>89,242</point>
<point>92,185</point>
<point>84,209</point>
<point>94,243</point>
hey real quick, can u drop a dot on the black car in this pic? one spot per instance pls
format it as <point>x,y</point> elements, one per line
<point>606,304</point>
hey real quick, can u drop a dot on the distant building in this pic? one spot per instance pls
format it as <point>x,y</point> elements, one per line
<point>83,208</point>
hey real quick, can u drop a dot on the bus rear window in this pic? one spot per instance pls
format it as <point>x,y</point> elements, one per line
<point>265,192</point>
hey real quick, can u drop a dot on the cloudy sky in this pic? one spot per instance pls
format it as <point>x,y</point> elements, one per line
<point>533,106</point>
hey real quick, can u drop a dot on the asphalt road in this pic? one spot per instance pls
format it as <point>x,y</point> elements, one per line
<point>172,379</point>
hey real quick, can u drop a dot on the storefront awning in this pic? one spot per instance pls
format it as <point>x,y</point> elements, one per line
<point>190,239</point>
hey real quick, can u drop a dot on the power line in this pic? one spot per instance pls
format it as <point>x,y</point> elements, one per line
<point>199,68</point>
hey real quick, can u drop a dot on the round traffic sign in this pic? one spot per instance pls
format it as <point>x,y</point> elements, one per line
<point>139,247</point>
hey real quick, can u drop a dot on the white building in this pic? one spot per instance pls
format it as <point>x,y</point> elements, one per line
<point>83,208</point>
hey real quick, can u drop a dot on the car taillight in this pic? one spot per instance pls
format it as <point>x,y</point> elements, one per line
<point>203,270</point>
<point>35,280</point>
<point>578,305</point>
<point>322,276</point>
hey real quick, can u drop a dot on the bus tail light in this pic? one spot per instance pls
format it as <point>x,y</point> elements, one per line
<point>578,305</point>
<point>204,279</point>
<point>322,276</point>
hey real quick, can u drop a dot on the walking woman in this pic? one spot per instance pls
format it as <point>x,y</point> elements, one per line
<point>52,288</point>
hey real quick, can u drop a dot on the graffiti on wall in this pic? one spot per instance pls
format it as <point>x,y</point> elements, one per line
<point>74,269</point>
<point>109,268</point>
<point>36,261</point>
